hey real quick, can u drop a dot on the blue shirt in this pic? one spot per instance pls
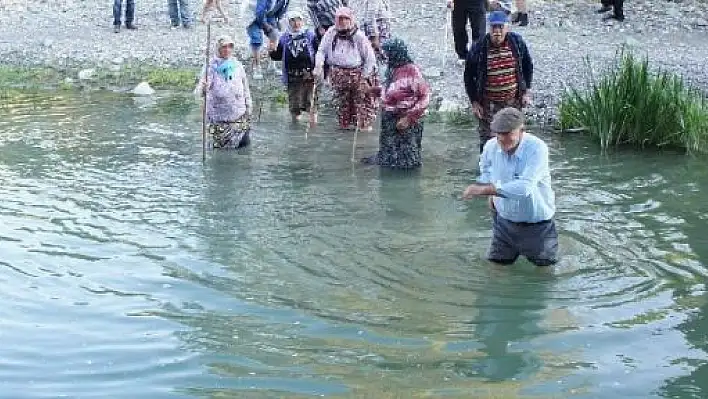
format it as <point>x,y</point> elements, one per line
<point>522,180</point>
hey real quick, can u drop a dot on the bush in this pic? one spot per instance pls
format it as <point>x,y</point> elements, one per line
<point>630,104</point>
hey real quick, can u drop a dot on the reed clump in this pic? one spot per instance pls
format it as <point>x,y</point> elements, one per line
<point>630,104</point>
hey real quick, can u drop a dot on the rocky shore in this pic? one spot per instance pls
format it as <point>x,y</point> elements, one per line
<point>71,35</point>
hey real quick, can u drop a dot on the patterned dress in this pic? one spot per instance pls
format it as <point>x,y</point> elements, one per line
<point>352,60</point>
<point>407,95</point>
<point>228,103</point>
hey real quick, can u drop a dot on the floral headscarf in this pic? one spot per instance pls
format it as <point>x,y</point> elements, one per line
<point>347,13</point>
<point>397,56</point>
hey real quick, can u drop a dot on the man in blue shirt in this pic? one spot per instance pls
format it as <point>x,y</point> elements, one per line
<point>516,177</point>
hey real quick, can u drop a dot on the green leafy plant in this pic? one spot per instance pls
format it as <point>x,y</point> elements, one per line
<point>631,104</point>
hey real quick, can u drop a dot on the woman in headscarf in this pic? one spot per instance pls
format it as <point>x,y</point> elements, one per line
<point>296,48</point>
<point>228,97</point>
<point>352,61</point>
<point>406,96</point>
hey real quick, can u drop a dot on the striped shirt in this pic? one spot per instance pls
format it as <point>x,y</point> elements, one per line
<point>322,12</point>
<point>501,73</point>
<point>367,12</point>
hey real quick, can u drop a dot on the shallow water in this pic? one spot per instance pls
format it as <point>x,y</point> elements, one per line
<point>130,269</point>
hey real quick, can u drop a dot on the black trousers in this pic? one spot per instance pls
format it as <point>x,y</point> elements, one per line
<point>474,12</point>
<point>617,5</point>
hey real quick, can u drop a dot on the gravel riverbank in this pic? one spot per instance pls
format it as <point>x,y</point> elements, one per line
<point>71,34</point>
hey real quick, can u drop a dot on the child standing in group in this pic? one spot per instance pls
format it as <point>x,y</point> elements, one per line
<point>268,14</point>
<point>296,48</point>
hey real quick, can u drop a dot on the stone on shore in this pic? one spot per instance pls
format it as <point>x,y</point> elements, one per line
<point>86,74</point>
<point>143,89</point>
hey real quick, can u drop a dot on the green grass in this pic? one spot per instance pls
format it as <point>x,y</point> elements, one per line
<point>170,78</point>
<point>631,104</point>
<point>16,76</point>
<point>127,77</point>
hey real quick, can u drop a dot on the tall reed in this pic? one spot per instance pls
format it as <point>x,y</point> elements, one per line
<point>631,104</point>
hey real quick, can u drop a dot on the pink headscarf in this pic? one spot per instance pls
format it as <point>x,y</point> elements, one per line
<point>344,12</point>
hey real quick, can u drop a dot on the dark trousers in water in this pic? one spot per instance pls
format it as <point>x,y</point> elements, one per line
<point>538,242</point>
<point>468,10</point>
<point>617,6</point>
<point>129,11</point>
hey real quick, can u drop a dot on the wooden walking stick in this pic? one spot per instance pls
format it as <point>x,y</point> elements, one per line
<point>313,101</point>
<point>356,133</point>
<point>206,88</point>
<point>448,16</point>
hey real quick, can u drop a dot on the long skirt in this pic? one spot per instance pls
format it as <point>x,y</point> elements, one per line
<point>351,101</point>
<point>398,149</point>
<point>230,135</point>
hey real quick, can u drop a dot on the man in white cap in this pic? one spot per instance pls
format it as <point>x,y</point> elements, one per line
<point>516,178</point>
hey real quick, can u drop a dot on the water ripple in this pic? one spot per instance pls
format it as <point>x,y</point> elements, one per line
<point>284,271</point>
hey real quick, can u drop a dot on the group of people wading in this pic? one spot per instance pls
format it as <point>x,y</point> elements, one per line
<point>514,170</point>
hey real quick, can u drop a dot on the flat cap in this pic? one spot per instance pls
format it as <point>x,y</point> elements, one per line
<point>506,120</point>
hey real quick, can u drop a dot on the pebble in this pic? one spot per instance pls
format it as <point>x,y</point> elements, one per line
<point>86,74</point>
<point>143,89</point>
<point>432,72</point>
<point>82,37</point>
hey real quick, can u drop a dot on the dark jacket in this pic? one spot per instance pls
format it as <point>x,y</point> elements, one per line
<point>476,66</point>
<point>282,52</point>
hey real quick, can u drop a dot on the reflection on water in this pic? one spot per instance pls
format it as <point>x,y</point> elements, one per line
<point>131,269</point>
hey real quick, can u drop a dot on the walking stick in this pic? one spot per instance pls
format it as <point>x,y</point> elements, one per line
<point>446,40</point>
<point>206,87</point>
<point>356,133</point>
<point>313,101</point>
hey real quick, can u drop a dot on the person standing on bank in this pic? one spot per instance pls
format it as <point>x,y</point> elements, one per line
<point>462,11</point>
<point>296,48</point>
<point>129,14</point>
<point>374,17</point>
<point>617,8</point>
<point>520,17</point>
<point>498,73</point>
<point>515,176</point>
<point>179,11</point>
<point>266,20</point>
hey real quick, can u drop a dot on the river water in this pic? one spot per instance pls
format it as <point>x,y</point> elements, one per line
<point>130,269</point>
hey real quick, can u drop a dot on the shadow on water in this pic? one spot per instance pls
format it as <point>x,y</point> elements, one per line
<point>285,271</point>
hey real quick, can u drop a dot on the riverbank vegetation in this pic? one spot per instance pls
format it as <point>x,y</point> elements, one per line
<point>119,77</point>
<point>632,104</point>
